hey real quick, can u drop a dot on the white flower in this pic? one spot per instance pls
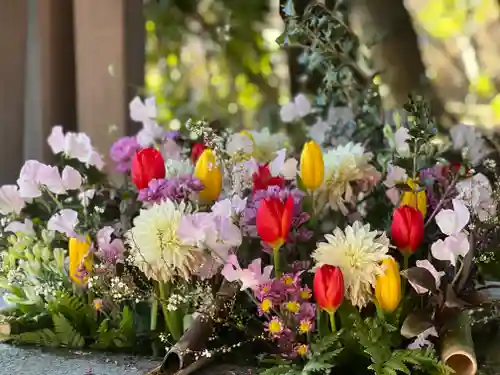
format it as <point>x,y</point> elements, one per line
<point>20,227</point>
<point>421,340</point>
<point>146,113</point>
<point>75,146</point>
<point>239,143</point>
<point>451,248</point>
<point>178,168</point>
<point>65,222</point>
<point>280,165</point>
<point>344,166</point>
<point>71,178</point>
<point>266,144</point>
<point>298,108</point>
<point>432,270</point>
<point>395,175</point>
<point>453,221</point>
<point>229,207</point>
<point>155,244</point>
<point>477,192</point>
<point>10,200</point>
<point>318,131</point>
<point>469,140</point>
<point>358,253</point>
<point>86,196</point>
<point>401,136</point>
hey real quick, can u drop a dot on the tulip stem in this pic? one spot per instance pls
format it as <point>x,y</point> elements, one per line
<point>276,261</point>
<point>332,321</point>
<point>406,259</point>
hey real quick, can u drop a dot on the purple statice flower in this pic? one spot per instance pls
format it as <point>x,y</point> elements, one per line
<point>176,189</point>
<point>298,233</point>
<point>172,134</point>
<point>122,152</point>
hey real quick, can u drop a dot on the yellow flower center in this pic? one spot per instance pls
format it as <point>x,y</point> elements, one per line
<point>305,294</point>
<point>293,306</point>
<point>275,326</point>
<point>302,350</point>
<point>305,326</point>
<point>266,305</point>
<point>288,280</point>
<point>266,289</point>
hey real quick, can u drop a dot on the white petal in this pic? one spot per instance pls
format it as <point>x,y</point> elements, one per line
<point>71,178</point>
<point>289,170</point>
<point>302,105</point>
<point>278,162</point>
<point>401,136</point>
<point>447,222</point>
<point>19,227</point>
<point>288,113</point>
<point>50,177</point>
<point>56,140</point>
<point>11,200</point>
<point>440,250</point>
<point>395,174</point>
<point>462,214</point>
<point>137,109</point>
<point>64,221</point>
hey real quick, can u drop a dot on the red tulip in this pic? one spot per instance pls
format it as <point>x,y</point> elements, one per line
<point>274,220</point>
<point>407,229</point>
<point>262,179</point>
<point>328,287</point>
<point>196,151</point>
<point>147,164</point>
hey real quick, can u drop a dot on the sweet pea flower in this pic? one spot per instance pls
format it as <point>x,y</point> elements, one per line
<point>296,109</point>
<point>469,138</point>
<point>394,176</point>
<point>251,277</point>
<point>240,143</point>
<point>65,222</point>
<point>20,227</point>
<point>477,193</point>
<point>421,340</point>
<point>432,270</point>
<point>74,146</point>
<point>122,152</point>
<point>401,137</point>
<point>229,207</point>
<point>110,250</point>
<point>145,112</point>
<point>451,223</point>
<point>11,200</point>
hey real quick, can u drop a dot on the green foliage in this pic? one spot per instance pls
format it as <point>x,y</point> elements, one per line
<point>320,360</point>
<point>121,335</point>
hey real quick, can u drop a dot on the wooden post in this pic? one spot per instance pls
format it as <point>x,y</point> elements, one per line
<point>50,77</point>
<point>13,26</point>
<point>109,46</point>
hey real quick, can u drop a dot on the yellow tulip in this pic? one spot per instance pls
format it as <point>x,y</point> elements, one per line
<point>78,253</point>
<point>312,166</point>
<point>209,174</point>
<point>388,286</point>
<point>415,199</point>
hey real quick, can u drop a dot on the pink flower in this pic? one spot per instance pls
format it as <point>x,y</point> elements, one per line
<point>251,277</point>
<point>64,222</point>
<point>110,251</point>
<point>10,200</point>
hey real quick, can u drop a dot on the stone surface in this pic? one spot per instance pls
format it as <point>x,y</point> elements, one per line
<point>34,361</point>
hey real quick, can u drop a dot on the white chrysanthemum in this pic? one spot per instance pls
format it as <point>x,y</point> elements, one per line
<point>345,165</point>
<point>266,144</point>
<point>176,168</point>
<point>358,253</point>
<point>155,245</point>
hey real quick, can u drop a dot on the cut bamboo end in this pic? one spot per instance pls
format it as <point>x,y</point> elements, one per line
<point>462,362</point>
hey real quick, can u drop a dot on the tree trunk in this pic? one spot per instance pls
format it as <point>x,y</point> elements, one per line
<point>386,27</point>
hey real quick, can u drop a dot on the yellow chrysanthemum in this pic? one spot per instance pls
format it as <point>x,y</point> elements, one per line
<point>358,253</point>
<point>155,246</point>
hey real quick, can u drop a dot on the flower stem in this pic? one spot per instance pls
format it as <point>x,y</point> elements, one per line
<point>171,317</point>
<point>154,314</point>
<point>332,321</point>
<point>276,261</point>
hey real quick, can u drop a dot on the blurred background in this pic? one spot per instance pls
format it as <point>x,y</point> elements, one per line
<point>78,63</point>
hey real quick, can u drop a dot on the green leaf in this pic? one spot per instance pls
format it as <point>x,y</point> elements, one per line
<point>42,337</point>
<point>66,333</point>
<point>415,323</point>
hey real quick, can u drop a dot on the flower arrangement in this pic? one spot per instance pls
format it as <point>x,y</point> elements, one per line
<point>325,258</point>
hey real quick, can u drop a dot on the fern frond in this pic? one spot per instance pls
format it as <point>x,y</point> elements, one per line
<point>42,337</point>
<point>66,333</point>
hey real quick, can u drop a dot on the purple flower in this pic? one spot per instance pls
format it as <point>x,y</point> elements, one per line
<point>110,251</point>
<point>436,181</point>
<point>122,152</point>
<point>176,189</point>
<point>299,232</point>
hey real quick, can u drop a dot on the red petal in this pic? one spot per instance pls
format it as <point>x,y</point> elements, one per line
<point>399,228</point>
<point>286,218</point>
<point>268,216</point>
<point>416,230</point>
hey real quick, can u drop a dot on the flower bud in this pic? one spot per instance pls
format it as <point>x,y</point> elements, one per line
<point>147,164</point>
<point>388,286</point>
<point>79,258</point>
<point>312,166</point>
<point>416,199</point>
<point>328,287</point>
<point>407,229</point>
<point>209,174</point>
<point>196,151</point>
